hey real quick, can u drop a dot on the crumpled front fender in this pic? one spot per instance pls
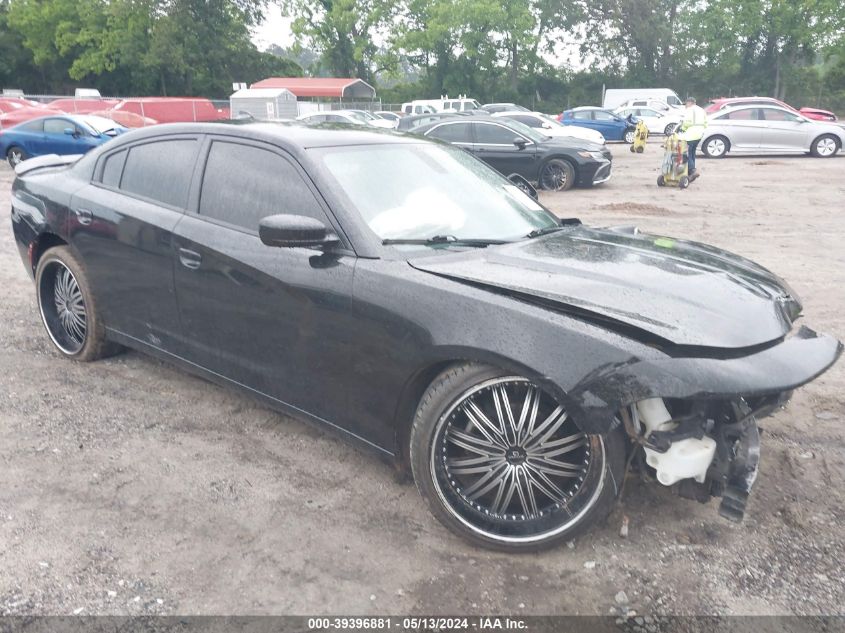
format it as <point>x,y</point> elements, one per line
<point>795,361</point>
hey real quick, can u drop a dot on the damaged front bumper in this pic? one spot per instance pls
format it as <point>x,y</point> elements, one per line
<point>709,399</point>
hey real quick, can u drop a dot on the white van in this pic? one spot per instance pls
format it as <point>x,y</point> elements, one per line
<point>443,104</point>
<point>615,97</point>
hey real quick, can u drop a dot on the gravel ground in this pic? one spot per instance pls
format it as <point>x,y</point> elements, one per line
<point>129,487</point>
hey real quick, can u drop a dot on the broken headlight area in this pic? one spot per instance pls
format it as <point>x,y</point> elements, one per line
<point>701,448</point>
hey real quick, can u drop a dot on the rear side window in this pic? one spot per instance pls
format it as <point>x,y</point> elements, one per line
<point>113,168</point>
<point>33,126</point>
<point>453,133</point>
<point>243,184</point>
<point>161,171</point>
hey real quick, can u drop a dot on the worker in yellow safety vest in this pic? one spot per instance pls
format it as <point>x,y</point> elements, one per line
<point>692,129</point>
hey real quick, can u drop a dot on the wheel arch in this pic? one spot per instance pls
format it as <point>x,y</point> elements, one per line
<point>421,379</point>
<point>41,244</point>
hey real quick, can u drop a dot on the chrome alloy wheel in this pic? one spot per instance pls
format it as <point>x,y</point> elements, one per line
<point>716,147</point>
<point>62,308</point>
<point>509,463</point>
<point>826,146</point>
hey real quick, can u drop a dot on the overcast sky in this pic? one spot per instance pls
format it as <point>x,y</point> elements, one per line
<point>274,30</point>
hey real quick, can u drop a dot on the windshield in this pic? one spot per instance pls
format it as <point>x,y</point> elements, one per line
<point>419,191</point>
<point>100,125</point>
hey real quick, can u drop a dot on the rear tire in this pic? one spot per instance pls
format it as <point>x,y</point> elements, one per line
<point>68,308</point>
<point>491,498</point>
<point>16,155</point>
<point>661,181</point>
<point>825,146</point>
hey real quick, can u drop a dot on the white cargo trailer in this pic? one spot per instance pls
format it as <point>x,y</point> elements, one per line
<point>263,103</point>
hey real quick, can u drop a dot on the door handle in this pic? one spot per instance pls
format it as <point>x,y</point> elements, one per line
<point>190,259</point>
<point>84,216</point>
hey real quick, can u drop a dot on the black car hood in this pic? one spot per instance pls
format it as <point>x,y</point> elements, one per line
<point>682,292</point>
<point>571,142</point>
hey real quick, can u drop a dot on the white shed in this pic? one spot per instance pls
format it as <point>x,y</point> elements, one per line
<point>263,103</point>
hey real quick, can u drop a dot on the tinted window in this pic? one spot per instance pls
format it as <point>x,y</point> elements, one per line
<point>601,115</point>
<point>496,134</point>
<point>161,171</point>
<point>113,168</point>
<point>453,132</point>
<point>584,115</point>
<point>243,184</point>
<point>56,126</point>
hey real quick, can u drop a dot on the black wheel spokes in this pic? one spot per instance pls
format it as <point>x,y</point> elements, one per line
<point>510,452</point>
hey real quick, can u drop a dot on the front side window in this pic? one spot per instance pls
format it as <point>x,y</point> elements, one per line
<point>419,190</point>
<point>243,184</point>
<point>57,126</point>
<point>773,114</point>
<point>601,115</point>
<point>161,171</point>
<point>487,133</point>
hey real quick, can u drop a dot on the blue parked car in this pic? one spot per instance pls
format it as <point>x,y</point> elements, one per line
<point>612,126</point>
<point>60,134</point>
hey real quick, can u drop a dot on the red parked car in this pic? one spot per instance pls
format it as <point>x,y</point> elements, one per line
<point>82,106</point>
<point>14,111</point>
<point>173,109</point>
<point>725,102</point>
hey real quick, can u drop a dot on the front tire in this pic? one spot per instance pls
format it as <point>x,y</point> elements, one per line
<point>68,309</point>
<point>630,133</point>
<point>716,147</point>
<point>501,464</point>
<point>825,146</point>
<point>16,155</point>
<point>557,175</point>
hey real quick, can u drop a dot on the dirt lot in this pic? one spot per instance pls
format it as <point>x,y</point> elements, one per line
<point>128,487</point>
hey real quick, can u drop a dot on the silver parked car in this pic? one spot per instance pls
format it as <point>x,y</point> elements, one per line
<point>767,128</point>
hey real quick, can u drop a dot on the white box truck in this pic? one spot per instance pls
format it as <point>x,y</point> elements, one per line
<point>615,97</point>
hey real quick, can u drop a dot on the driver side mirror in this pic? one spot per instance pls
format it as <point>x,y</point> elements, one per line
<point>294,231</point>
<point>71,132</point>
<point>519,142</point>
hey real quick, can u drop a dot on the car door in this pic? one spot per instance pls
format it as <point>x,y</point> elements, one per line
<point>743,127</point>
<point>56,141</point>
<point>494,144</point>
<point>121,223</point>
<point>783,131</point>
<point>268,318</point>
<point>612,127</point>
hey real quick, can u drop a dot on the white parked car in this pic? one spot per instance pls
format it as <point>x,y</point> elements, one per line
<point>550,127</point>
<point>657,122</point>
<point>352,117</point>
<point>769,129</point>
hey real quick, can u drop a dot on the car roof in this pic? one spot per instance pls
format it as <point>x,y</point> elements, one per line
<point>292,134</point>
<point>750,106</point>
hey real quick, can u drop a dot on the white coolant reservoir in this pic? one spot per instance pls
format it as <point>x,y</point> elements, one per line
<point>685,459</point>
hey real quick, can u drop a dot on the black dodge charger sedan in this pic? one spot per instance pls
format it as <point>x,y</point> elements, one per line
<point>405,295</point>
<point>511,147</point>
